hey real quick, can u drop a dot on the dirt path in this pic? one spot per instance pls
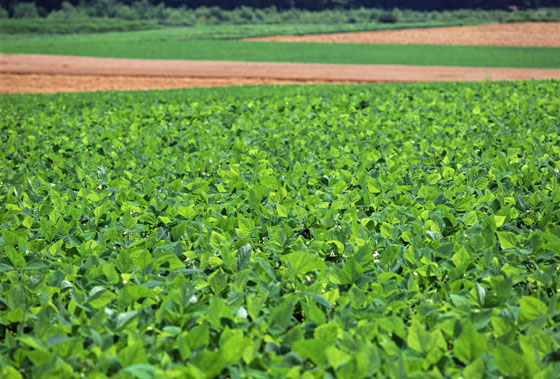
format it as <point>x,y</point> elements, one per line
<point>515,34</point>
<point>28,73</point>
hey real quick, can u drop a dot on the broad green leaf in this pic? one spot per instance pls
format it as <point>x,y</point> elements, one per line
<point>476,369</point>
<point>12,238</point>
<point>387,230</point>
<point>312,349</point>
<point>141,371</point>
<point>480,293</point>
<point>419,339</point>
<point>132,354</point>
<point>282,210</point>
<point>234,347</point>
<point>499,221</point>
<point>100,296</point>
<point>327,333</point>
<point>447,172</point>
<point>373,185</point>
<point>537,346</point>
<point>15,257</point>
<point>218,310</point>
<point>511,363</point>
<point>217,281</point>
<point>433,178</point>
<point>243,257</point>
<point>216,240</point>
<point>350,273</point>
<point>123,319</point>
<point>281,315</point>
<point>302,262</point>
<point>336,357</point>
<point>184,349</point>
<point>318,298</point>
<point>187,212</point>
<point>211,363</point>
<point>531,308</point>
<point>198,336</point>
<point>461,259</point>
<point>246,226</point>
<point>508,240</point>
<point>470,345</point>
<point>255,305</point>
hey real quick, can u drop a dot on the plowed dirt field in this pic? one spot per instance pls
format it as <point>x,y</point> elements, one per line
<point>546,34</point>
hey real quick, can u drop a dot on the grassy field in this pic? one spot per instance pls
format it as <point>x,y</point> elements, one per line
<point>178,44</point>
<point>407,230</point>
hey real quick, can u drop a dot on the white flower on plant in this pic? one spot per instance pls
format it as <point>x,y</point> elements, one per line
<point>242,312</point>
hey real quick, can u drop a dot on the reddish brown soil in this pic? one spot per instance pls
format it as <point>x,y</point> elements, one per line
<point>34,83</point>
<point>515,34</point>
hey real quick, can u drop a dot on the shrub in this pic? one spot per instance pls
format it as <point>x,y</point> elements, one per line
<point>67,11</point>
<point>126,13</point>
<point>247,14</point>
<point>387,18</point>
<point>25,10</point>
<point>3,13</point>
<point>53,25</point>
<point>179,17</point>
<point>517,16</point>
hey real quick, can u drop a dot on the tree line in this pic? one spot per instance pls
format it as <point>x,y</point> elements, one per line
<point>313,5</point>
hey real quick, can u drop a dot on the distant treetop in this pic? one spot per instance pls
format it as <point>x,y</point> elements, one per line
<point>49,5</point>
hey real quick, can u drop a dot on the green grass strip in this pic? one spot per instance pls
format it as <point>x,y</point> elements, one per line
<point>154,48</point>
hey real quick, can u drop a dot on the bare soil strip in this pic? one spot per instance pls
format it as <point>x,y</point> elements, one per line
<point>546,34</point>
<point>28,73</point>
<point>32,83</point>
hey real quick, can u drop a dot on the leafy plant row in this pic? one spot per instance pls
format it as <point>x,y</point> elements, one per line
<point>403,230</point>
<point>72,25</point>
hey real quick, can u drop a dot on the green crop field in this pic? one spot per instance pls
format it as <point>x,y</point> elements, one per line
<point>402,230</point>
<point>126,45</point>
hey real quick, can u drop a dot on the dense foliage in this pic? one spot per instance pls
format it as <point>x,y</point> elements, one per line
<point>214,15</point>
<point>73,25</point>
<point>306,4</point>
<point>49,26</point>
<point>395,230</point>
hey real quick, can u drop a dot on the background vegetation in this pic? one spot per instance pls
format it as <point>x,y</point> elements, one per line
<point>50,5</point>
<point>93,25</point>
<point>45,17</point>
